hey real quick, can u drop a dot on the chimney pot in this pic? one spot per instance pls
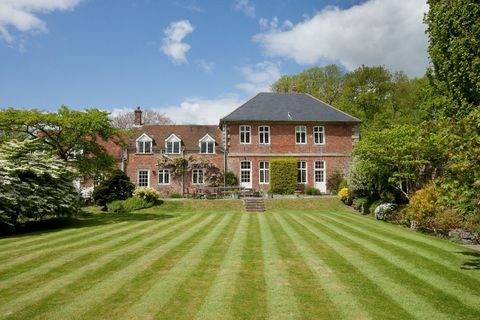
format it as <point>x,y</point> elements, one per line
<point>138,117</point>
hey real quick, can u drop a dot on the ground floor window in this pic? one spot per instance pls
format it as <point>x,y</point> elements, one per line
<point>302,172</point>
<point>143,178</point>
<point>319,171</point>
<point>246,174</point>
<point>164,176</point>
<point>264,170</point>
<point>197,176</point>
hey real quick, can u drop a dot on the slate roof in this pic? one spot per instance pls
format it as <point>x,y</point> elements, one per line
<point>269,106</point>
<point>190,134</point>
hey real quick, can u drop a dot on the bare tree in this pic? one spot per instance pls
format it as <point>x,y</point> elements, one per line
<point>126,119</point>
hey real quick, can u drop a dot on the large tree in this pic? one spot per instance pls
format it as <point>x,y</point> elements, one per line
<point>69,134</point>
<point>125,120</point>
<point>454,49</point>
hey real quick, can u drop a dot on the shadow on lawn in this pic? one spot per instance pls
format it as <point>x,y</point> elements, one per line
<point>473,263</point>
<point>82,220</point>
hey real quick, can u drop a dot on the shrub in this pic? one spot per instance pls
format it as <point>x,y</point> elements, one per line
<point>344,195</point>
<point>146,193</point>
<point>423,207</point>
<point>385,211</point>
<point>231,179</point>
<point>312,191</point>
<point>361,204</point>
<point>176,195</point>
<point>115,187</point>
<point>374,206</point>
<point>334,181</point>
<point>343,184</point>
<point>283,175</point>
<point>129,205</point>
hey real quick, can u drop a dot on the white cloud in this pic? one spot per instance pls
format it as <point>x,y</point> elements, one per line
<point>22,15</point>
<point>172,45</point>
<point>377,32</point>
<point>246,7</point>
<point>273,24</point>
<point>205,66</point>
<point>259,77</point>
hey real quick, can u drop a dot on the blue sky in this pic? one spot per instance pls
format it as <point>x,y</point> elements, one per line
<point>194,60</point>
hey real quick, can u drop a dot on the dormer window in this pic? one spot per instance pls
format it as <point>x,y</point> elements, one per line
<point>172,144</point>
<point>207,145</point>
<point>144,144</point>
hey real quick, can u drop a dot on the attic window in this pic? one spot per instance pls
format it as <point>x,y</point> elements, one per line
<point>172,144</point>
<point>144,144</point>
<point>207,145</point>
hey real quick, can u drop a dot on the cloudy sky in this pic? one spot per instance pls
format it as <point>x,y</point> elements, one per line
<point>195,60</point>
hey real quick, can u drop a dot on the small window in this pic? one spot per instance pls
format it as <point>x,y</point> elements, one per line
<point>302,172</point>
<point>173,144</point>
<point>197,176</point>
<point>264,170</point>
<point>301,134</point>
<point>207,145</point>
<point>264,135</point>
<point>164,176</point>
<point>144,144</point>
<point>245,134</point>
<point>143,178</point>
<point>319,135</point>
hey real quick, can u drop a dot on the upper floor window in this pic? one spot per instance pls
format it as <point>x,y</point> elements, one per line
<point>302,172</point>
<point>163,176</point>
<point>172,144</point>
<point>301,134</point>
<point>264,135</point>
<point>197,176</point>
<point>245,132</point>
<point>319,135</point>
<point>144,144</point>
<point>264,172</point>
<point>207,145</point>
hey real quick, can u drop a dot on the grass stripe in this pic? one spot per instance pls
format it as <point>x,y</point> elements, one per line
<point>152,302</point>
<point>469,298</point>
<point>418,256</point>
<point>220,294</point>
<point>103,288</point>
<point>34,295</point>
<point>336,291</point>
<point>16,264</point>
<point>65,261</point>
<point>281,302</point>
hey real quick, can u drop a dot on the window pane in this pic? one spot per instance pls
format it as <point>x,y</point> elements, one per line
<point>143,178</point>
<point>148,146</point>
<point>203,148</point>
<point>211,147</point>
<point>140,147</point>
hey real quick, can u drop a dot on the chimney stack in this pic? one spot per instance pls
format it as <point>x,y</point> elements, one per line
<point>294,89</point>
<point>138,117</point>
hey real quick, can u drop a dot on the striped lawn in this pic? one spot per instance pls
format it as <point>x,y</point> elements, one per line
<point>302,259</point>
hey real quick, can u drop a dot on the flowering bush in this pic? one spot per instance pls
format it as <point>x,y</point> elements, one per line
<point>147,193</point>
<point>385,211</point>
<point>344,195</point>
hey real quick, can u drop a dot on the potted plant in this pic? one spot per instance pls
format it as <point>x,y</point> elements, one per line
<point>236,194</point>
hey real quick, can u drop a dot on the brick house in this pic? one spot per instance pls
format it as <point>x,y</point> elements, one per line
<point>269,125</point>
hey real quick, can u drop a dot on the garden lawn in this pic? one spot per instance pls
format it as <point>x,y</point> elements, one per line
<point>302,259</point>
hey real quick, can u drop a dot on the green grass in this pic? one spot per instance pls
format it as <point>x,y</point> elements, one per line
<point>302,259</point>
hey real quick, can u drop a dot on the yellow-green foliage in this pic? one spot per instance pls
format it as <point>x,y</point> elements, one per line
<point>147,193</point>
<point>283,175</point>
<point>343,194</point>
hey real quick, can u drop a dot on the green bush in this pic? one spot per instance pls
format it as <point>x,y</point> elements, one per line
<point>374,206</point>
<point>312,191</point>
<point>147,193</point>
<point>283,175</point>
<point>343,184</point>
<point>231,179</point>
<point>115,187</point>
<point>361,204</point>
<point>334,181</point>
<point>128,205</point>
<point>176,195</point>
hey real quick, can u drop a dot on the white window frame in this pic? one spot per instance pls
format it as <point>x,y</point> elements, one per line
<point>245,129</point>
<point>317,132</point>
<point>300,130</point>
<point>164,173</point>
<point>173,139</point>
<point>195,174</point>
<point>266,172</point>
<point>148,177</point>
<point>299,169</point>
<point>249,170</point>
<point>264,133</point>
<point>207,139</point>
<point>142,141</point>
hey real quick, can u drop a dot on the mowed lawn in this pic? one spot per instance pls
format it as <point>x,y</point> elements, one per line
<point>302,259</point>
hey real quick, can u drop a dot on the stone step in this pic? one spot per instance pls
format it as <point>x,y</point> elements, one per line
<point>254,204</point>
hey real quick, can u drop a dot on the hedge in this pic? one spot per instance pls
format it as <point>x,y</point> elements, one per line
<point>283,175</point>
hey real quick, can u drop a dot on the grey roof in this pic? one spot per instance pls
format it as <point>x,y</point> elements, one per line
<point>269,106</point>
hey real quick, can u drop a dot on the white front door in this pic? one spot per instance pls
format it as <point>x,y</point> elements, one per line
<point>320,177</point>
<point>246,174</point>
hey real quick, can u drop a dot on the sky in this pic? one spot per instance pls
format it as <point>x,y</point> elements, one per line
<point>194,60</point>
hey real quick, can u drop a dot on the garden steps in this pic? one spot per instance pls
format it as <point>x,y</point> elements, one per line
<point>254,204</point>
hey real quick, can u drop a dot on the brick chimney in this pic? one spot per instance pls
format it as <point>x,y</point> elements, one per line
<point>294,89</point>
<point>138,117</point>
